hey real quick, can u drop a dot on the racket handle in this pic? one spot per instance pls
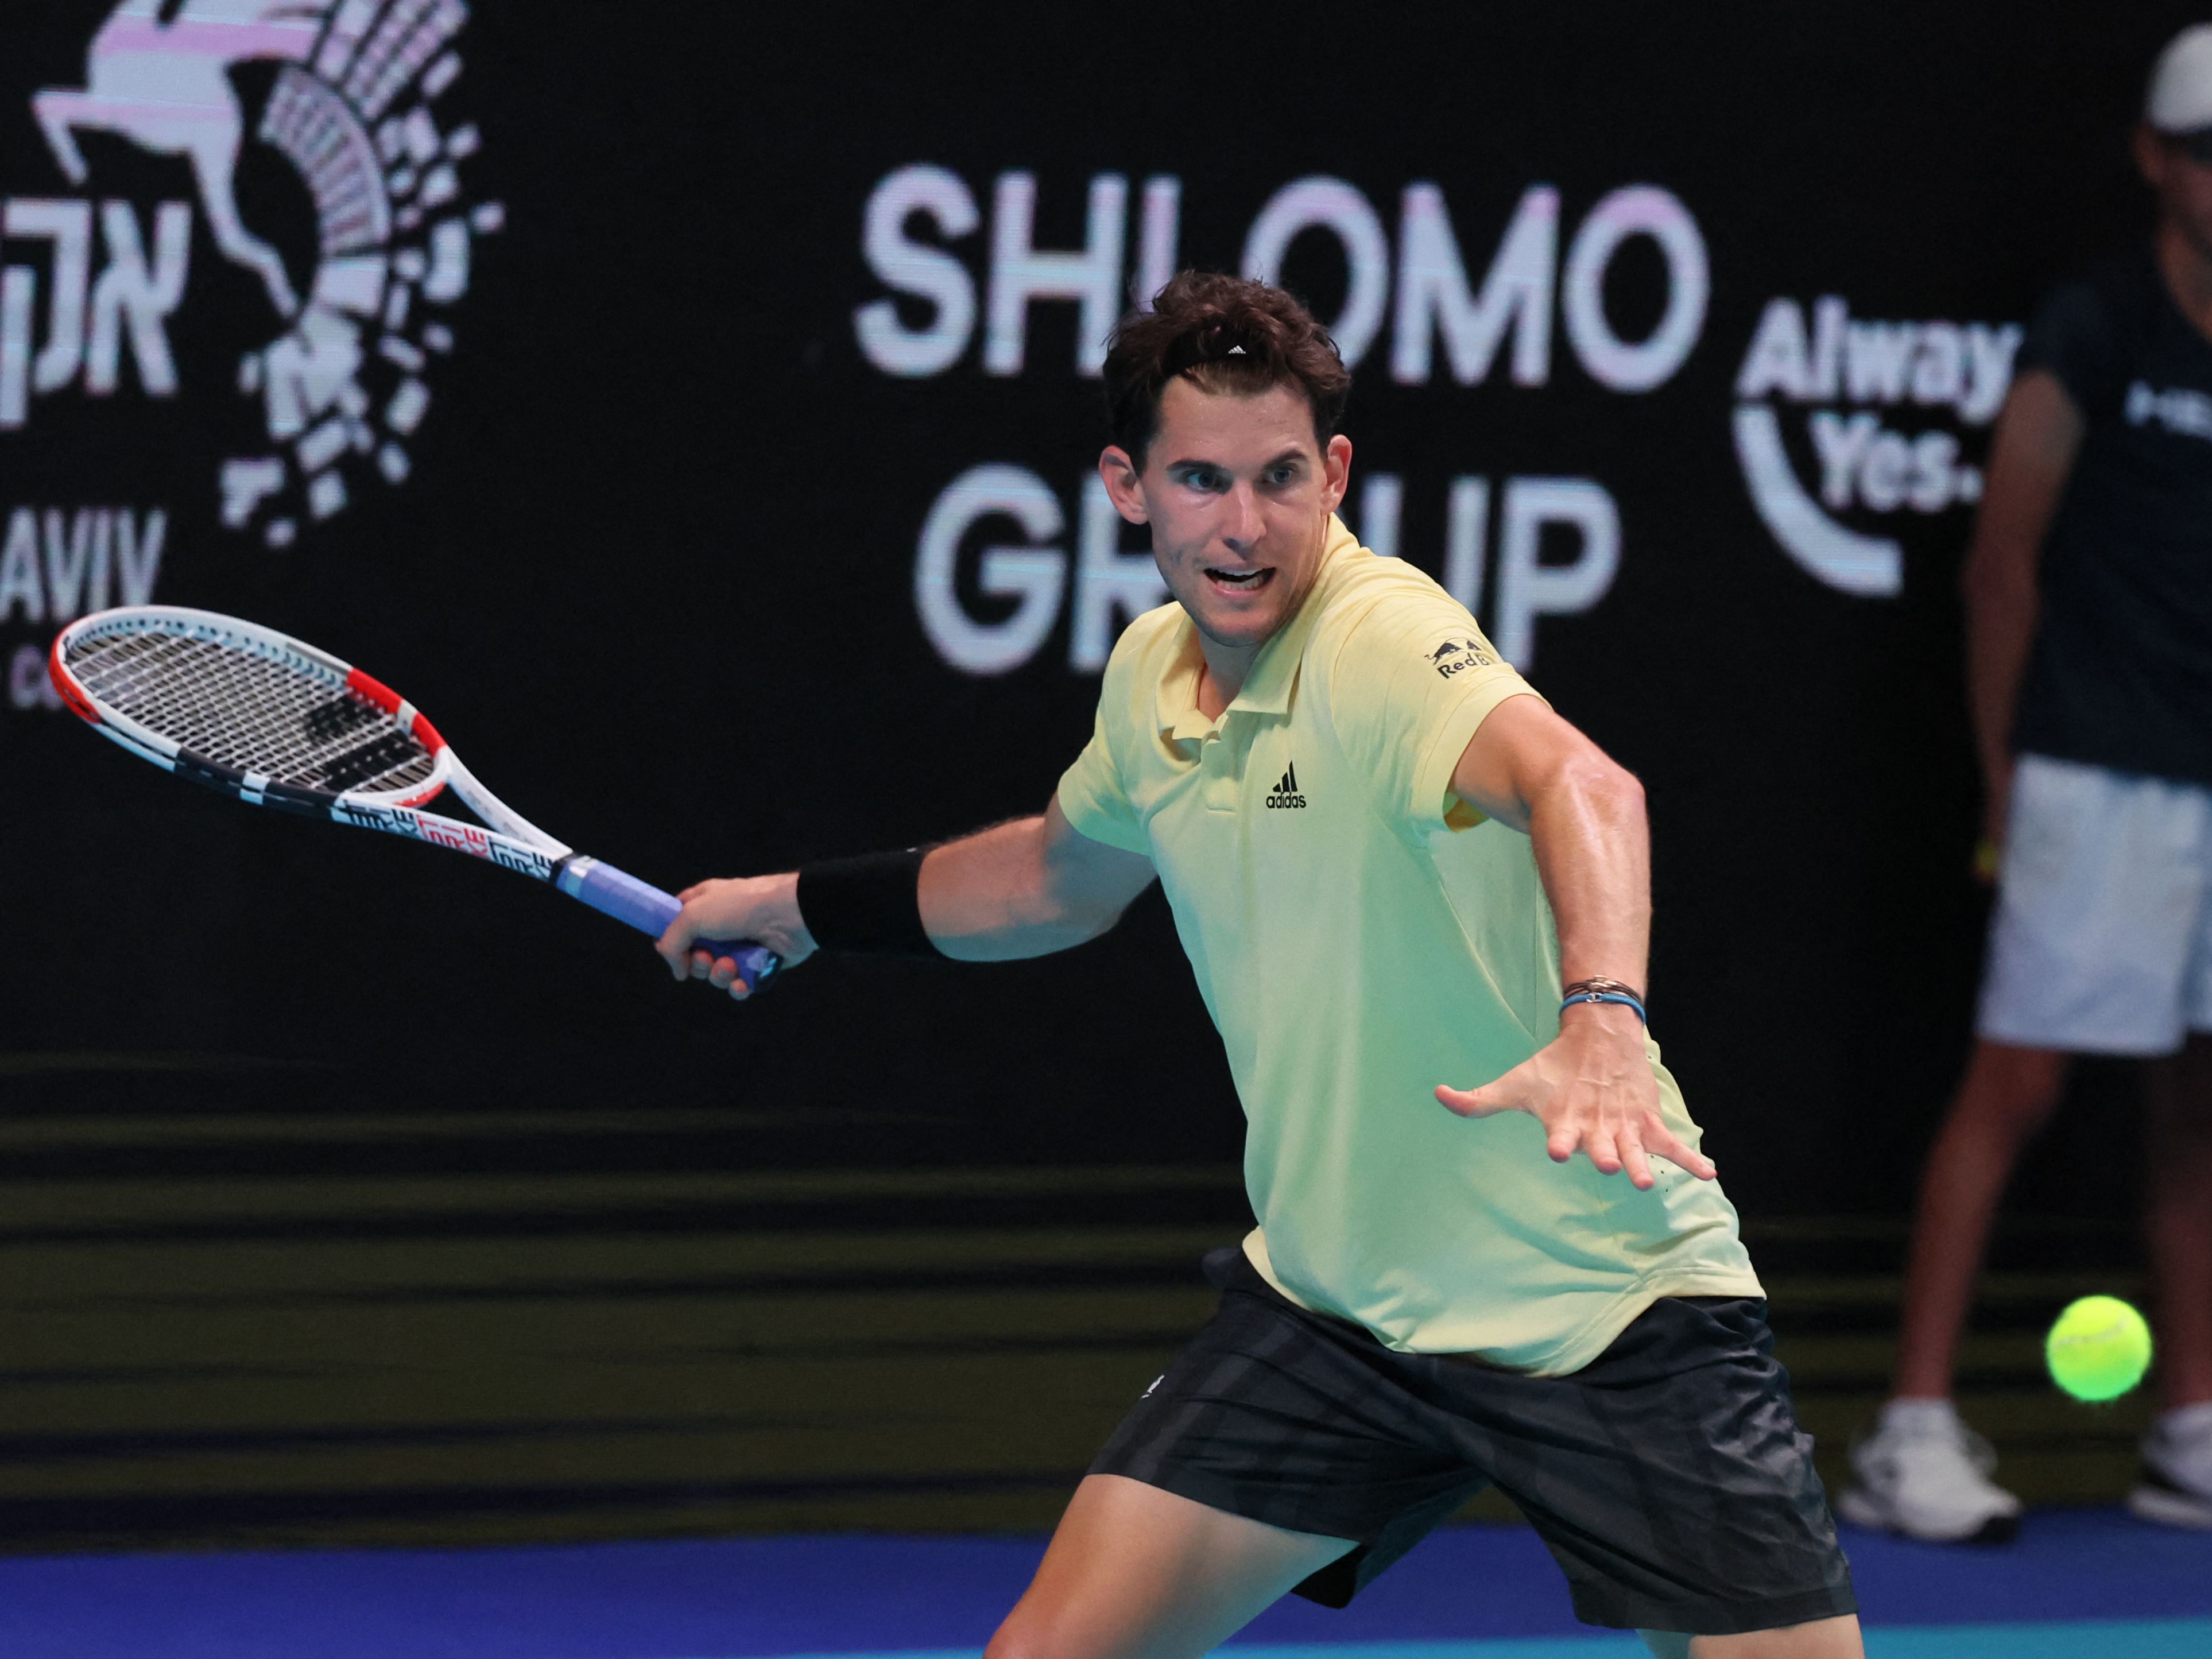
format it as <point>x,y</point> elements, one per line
<point>647,908</point>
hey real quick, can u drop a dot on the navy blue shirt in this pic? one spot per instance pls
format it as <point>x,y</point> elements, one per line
<point>2121,673</point>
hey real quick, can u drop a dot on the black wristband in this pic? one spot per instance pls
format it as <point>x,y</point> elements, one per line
<point>870,903</point>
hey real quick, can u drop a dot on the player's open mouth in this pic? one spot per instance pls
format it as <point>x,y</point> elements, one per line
<point>1241,581</point>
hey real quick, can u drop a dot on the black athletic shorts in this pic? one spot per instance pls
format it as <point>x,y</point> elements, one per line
<point>1668,1477</point>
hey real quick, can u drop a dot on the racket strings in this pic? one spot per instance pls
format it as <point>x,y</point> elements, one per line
<point>251,713</point>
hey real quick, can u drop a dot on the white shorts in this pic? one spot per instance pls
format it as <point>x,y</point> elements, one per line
<point>2102,939</point>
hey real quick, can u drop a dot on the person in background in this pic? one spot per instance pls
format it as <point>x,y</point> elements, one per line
<point>2089,595</point>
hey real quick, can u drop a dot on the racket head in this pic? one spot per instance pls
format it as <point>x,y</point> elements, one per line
<point>246,708</point>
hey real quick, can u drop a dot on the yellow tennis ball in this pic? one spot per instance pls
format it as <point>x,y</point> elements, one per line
<point>2099,1349</point>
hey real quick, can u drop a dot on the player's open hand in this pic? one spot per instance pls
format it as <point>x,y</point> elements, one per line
<point>763,908</point>
<point>1593,1091</point>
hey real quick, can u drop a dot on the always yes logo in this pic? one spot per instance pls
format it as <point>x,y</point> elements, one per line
<point>1848,378</point>
<point>339,331</point>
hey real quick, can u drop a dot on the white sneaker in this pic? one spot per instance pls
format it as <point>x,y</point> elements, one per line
<point>1926,1474</point>
<point>2176,1487</point>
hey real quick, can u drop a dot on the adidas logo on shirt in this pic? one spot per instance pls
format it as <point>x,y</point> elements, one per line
<point>1285,793</point>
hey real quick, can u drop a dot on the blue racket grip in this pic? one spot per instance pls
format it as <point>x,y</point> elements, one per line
<point>647,908</point>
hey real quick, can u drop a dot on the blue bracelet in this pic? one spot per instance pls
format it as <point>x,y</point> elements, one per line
<point>1623,999</point>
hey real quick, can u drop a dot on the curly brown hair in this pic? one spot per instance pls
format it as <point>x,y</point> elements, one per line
<point>1226,334</point>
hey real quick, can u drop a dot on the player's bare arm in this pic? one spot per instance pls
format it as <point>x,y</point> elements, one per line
<point>1021,889</point>
<point>2039,433</point>
<point>1026,889</point>
<point>1592,1087</point>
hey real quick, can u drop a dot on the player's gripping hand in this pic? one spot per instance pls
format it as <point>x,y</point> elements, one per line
<point>764,908</point>
<point>1593,1091</point>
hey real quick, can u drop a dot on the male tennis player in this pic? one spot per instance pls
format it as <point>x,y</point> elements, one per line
<point>1359,814</point>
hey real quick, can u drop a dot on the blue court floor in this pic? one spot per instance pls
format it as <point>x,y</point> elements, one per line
<point>2078,1582</point>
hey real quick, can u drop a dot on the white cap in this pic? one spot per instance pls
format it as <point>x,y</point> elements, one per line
<point>2180,95</point>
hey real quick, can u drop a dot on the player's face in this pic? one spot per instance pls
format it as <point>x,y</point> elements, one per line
<point>1238,492</point>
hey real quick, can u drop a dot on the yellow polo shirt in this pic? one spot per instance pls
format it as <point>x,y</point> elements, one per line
<point>1360,936</point>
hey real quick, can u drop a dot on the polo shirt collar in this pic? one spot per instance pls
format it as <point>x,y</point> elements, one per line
<point>1267,689</point>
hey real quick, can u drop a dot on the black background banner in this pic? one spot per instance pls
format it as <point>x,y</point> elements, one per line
<point>650,556</point>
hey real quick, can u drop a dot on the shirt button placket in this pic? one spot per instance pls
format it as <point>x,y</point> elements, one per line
<point>1216,761</point>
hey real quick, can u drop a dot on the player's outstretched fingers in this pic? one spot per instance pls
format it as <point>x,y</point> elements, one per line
<point>1633,1160</point>
<point>1518,1090</point>
<point>1470,1102</point>
<point>1668,1144</point>
<point>1604,1153</point>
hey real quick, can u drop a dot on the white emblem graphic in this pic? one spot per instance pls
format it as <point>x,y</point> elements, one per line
<point>1957,369</point>
<point>351,111</point>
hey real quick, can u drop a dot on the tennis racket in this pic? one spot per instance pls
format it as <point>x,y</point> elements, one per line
<point>275,723</point>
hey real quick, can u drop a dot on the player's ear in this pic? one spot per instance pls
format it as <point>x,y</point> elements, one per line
<point>1336,470</point>
<point>1125,487</point>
